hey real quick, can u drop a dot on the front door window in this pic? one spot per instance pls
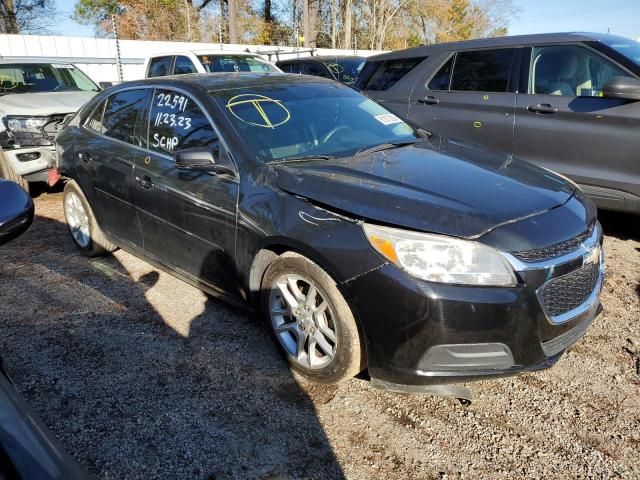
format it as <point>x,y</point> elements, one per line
<point>570,71</point>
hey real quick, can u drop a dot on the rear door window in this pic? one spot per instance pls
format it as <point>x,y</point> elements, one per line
<point>389,72</point>
<point>483,70</point>
<point>121,113</point>
<point>315,69</point>
<point>290,67</point>
<point>184,65</point>
<point>160,66</point>
<point>176,122</point>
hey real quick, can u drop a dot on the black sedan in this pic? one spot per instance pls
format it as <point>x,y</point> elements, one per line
<point>364,242</point>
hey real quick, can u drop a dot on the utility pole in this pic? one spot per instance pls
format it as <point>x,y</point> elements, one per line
<point>115,34</point>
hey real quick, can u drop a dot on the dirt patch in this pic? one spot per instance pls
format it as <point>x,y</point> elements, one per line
<point>142,376</point>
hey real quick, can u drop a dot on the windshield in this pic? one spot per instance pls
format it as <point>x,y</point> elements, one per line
<point>235,63</point>
<point>38,77</point>
<point>309,119</point>
<point>346,70</point>
<point>628,48</point>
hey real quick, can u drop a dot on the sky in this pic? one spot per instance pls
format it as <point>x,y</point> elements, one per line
<point>620,17</point>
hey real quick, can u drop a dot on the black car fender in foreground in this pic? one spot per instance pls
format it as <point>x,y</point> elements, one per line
<point>27,449</point>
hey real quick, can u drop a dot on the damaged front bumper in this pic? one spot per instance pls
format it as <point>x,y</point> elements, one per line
<point>420,334</point>
<point>32,163</point>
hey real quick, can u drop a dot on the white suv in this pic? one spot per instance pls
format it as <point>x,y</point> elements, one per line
<point>35,98</point>
<point>206,62</point>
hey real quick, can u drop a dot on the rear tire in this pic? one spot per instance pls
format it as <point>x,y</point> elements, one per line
<point>310,320</point>
<point>82,224</point>
<point>7,172</point>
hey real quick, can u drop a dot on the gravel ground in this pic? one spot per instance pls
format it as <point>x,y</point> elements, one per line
<point>142,376</point>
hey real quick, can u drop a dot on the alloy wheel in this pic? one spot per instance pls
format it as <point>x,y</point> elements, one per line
<point>303,321</point>
<point>77,219</point>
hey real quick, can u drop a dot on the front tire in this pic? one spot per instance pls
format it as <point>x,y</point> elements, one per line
<point>83,227</point>
<point>7,172</point>
<point>311,321</point>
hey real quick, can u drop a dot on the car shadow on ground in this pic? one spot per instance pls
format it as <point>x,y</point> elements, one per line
<point>624,226</point>
<point>130,394</point>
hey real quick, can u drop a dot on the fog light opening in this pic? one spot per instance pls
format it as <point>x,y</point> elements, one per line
<point>28,157</point>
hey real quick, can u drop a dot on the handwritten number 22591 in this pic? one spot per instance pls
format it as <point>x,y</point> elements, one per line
<point>175,102</point>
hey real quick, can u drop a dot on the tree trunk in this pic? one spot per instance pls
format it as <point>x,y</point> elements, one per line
<point>347,24</point>
<point>268,20</point>
<point>267,11</point>
<point>333,5</point>
<point>314,10</point>
<point>234,31</point>
<point>8,22</point>
<point>310,22</point>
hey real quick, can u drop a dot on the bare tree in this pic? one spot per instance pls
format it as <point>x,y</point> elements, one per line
<point>27,16</point>
<point>348,15</point>
<point>310,10</point>
<point>234,31</point>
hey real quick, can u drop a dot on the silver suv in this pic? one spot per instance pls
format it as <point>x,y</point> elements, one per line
<point>35,98</point>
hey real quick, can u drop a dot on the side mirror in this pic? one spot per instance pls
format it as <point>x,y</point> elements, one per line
<point>104,85</point>
<point>623,88</point>
<point>203,159</point>
<point>16,211</point>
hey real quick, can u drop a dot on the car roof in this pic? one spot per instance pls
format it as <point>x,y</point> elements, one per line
<point>226,80</point>
<point>205,52</point>
<point>321,58</point>
<point>514,40</point>
<point>23,60</point>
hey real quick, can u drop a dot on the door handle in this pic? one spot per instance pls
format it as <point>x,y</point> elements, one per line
<point>543,108</point>
<point>429,100</point>
<point>84,156</point>
<point>144,181</point>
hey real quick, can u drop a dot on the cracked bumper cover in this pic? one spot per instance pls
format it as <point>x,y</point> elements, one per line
<point>32,170</point>
<point>424,333</point>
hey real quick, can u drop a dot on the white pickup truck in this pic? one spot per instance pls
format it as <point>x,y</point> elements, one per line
<point>35,98</point>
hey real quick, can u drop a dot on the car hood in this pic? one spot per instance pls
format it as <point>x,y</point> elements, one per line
<point>440,186</point>
<point>46,103</point>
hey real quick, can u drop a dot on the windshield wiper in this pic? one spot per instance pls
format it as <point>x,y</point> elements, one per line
<point>387,146</point>
<point>303,158</point>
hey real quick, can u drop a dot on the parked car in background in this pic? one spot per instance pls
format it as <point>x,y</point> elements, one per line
<point>179,63</point>
<point>568,102</point>
<point>27,449</point>
<point>362,241</point>
<point>343,68</point>
<point>35,98</point>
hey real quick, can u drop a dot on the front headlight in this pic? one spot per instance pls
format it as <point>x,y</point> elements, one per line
<point>26,124</point>
<point>438,258</point>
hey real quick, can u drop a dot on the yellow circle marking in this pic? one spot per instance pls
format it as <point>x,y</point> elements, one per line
<point>486,97</point>
<point>477,124</point>
<point>257,101</point>
<point>147,160</point>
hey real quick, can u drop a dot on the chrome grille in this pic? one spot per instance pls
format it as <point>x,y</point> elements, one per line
<point>563,294</point>
<point>555,250</point>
